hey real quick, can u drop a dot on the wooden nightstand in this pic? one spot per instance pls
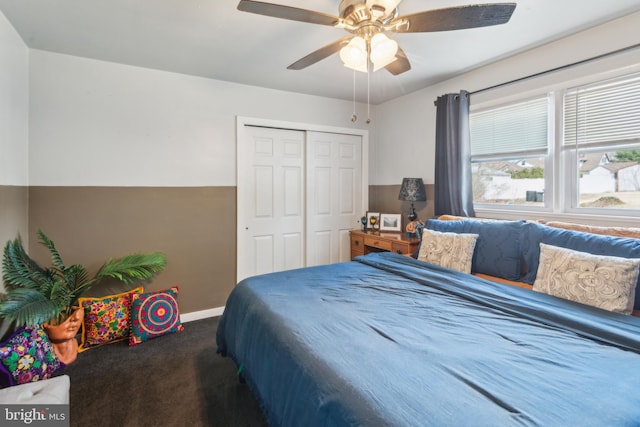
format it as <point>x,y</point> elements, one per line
<point>365,242</point>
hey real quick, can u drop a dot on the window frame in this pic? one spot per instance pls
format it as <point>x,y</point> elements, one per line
<point>549,190</point>
<point>561,186</point>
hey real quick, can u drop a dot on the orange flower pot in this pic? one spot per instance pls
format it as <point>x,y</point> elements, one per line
<point>63,336</point>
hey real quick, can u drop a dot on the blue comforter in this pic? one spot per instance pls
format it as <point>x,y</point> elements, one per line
<point>389,340</point>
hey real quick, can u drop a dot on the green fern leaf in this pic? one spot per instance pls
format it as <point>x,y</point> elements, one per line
<point>56,259</point>
<point>133,267</point>
<point>28,306</point>
<point>19,270</point>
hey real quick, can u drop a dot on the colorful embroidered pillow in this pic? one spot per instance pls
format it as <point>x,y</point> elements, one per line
<point>154,314</point>
<point>27,356</point>
<point>106,319</point>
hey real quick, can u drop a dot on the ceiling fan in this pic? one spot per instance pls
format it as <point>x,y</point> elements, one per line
<point>369,20</point>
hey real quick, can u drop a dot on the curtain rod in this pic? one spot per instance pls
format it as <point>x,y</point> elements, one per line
<point>553,70</point>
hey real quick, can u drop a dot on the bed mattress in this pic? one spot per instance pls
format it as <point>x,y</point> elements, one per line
<point>389,340</point>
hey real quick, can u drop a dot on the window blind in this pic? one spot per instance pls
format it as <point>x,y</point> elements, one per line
<point>515,128</point>
<point>608,112</point>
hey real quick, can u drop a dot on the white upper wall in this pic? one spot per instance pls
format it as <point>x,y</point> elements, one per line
<point>14,106</point>
<point>95,123</point>
<point>405,140</point>
<point>106,124</point>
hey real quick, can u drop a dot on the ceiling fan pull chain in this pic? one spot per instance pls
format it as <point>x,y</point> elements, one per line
<point>354,118</point>
<point>368,92</point>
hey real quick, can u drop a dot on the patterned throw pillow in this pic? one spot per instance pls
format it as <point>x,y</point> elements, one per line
<point>601,281</point>
<point>27,356</point>
<point>450,250</point>
<point>106,319</point>
<point>154,314</point>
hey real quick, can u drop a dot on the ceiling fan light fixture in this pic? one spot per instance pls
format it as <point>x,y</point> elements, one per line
<point>362,68</point>
<point>366,18</point>
<point>354,54</point>
<point>387,5</point>
<point>383,50</point>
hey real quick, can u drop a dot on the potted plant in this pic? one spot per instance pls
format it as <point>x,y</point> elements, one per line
<point>36,294</point>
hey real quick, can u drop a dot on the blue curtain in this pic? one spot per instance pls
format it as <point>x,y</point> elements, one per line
<point>453,193</point>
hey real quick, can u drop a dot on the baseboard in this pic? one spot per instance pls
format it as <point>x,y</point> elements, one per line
<point>202,314</point>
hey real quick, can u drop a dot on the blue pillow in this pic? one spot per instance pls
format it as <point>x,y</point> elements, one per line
<point>596,244</point>
<point>497,251</point>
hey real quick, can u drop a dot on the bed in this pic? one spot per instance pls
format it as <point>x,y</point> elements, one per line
<point>388,340</point>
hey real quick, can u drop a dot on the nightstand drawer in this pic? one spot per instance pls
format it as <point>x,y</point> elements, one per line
<point>366,242</point>
<point>357,242</point>
<point>357,245</point>
<point>375,242</point>
<point>400,248</point>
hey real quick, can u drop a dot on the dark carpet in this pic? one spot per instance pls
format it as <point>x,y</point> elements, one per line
<point>174,380</point>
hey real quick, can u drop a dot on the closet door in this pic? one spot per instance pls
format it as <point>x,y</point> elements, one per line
<point>298,195</point>
<point>334,195</point>
<point>270,193</point>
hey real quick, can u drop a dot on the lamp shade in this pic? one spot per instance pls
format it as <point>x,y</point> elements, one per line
<point>354,54</point>
<point>412,190</point>
<point>383,50</point>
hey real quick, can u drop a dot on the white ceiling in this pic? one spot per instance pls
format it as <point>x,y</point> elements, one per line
<point>211,38</point>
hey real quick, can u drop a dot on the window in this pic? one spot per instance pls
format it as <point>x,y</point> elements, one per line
<point>602,144</point>
<point>596,153</point>
<point>509,145</point>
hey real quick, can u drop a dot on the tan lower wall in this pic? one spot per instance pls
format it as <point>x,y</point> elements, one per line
<point>384,199</point>
<point>14,213</point>
<point>195,227</point>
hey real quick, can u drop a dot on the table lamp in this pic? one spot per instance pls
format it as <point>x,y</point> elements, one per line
<point>412,190</point>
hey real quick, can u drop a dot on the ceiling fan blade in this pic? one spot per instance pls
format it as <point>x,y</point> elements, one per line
<point>320,54</point>
<point>287,12</point>
<point>456,18</point>
<point>400,65</point>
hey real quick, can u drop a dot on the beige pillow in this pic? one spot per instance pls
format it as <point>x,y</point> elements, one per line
<point>602,281</point>
<point>450,250</point>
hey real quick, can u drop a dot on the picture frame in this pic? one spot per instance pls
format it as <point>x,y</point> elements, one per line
<point>376,226</point>
<point>390,222</point>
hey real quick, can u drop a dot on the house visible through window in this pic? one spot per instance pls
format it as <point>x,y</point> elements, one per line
<point>597,156</point>
<point>602,140</point>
